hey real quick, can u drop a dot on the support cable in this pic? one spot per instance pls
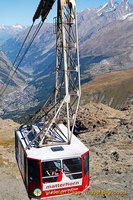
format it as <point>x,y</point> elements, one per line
<point>43,9</point>
<point>17,55</point>
<point>30,43</point>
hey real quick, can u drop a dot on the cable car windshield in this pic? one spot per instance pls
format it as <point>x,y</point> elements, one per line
<point>86,163</point>
<point>72,168</point>
<point>51,171</point>
<point>34,170</point>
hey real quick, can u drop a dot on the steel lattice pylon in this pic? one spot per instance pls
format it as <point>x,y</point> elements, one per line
<point>63,103</point>
<point>67,61</point>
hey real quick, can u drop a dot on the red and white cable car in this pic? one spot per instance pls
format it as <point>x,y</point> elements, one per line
<point>52,170</point>
<point>53,161</point>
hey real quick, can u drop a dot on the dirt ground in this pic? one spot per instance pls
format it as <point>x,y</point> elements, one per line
<point>109,136</point>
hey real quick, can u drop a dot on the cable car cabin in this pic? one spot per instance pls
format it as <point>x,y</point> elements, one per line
<point>50,171</point>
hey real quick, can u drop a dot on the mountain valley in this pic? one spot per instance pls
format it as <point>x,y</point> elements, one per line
<point>106,45</point>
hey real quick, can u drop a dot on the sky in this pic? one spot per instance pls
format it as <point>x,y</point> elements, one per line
<point>21,11</point>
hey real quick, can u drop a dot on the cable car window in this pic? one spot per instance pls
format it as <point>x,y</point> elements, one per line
<point>21,151</point>
<point>73,168</point>
<point>51,171</point>
<point>86,163</point>
<point>25,166</point>
<point>16,146</point>
<point>34,170</point>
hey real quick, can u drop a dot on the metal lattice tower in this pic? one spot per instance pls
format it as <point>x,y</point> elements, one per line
<point>63,103</point>
<point>67,61</point>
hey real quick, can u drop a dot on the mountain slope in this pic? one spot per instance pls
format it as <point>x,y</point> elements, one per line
<point>7,32</point>
<point>19,79</point>
<point>41,51</point>
<point>114,89</point>
<point>14,95</point>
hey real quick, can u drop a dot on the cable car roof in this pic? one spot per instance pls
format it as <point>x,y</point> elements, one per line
<point>75,149</point>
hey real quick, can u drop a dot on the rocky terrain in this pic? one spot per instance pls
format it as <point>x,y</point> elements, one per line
<point>107,132</point>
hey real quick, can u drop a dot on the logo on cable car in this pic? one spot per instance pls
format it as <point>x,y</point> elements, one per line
<point>37,192</point>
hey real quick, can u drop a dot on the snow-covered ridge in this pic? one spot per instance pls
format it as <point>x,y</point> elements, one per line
<point>7,32</point>
<point>102,8</point>
<point>112,3</point>
<point>18,26</point>
<point>15,27</point>
<point>119,10</point>
<point>2,27</point>
<point>126,16</point>
<point>109,6</point>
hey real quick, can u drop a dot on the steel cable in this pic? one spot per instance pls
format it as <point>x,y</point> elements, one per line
<point>30,43</point>
<point>17,55</point>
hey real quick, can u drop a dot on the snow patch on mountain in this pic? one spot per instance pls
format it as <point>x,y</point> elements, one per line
<point>112,3</point>
<point>102,8</point>
<point>127,5</point>
<point>18,26</point>
<point>126,16</point>
<point>108,7</point>
<point>6,32</point>
<point>2,27</point>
